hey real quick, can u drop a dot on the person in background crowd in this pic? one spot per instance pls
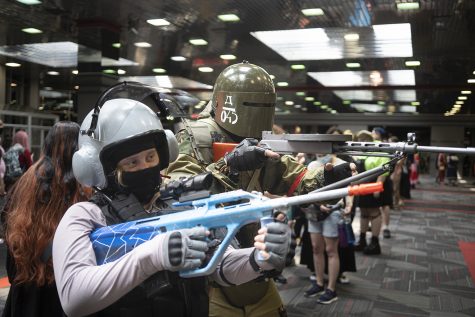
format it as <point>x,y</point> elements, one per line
<point>380,135</point>
<point>17,158</point>
<point>35,207</point>
<point>414,171</point>
<point>441,164</point>
<point>370,204</point>
<point>396,178</point>
<point>452,166</point>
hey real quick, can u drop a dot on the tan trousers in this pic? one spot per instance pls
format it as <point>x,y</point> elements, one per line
<point>269,306</point>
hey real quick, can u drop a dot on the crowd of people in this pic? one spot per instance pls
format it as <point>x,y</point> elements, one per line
<point>110,170</point>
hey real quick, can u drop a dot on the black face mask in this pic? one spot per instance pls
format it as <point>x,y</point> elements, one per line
<point>144,183</point>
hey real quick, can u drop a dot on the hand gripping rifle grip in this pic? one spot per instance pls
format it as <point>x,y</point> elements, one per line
<point>365,189</point>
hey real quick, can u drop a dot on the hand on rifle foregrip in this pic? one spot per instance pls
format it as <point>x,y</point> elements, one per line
<point>248,156</point>
<point>335,173</point>
<point>184,249</point>
<point>274,244</point>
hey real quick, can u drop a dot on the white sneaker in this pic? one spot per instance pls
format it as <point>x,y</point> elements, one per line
<point>313,277</point>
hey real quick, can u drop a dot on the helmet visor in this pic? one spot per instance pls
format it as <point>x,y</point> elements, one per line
<point>245,114</point>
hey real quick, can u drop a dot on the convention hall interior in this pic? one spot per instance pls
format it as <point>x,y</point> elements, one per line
<point>405,66</point>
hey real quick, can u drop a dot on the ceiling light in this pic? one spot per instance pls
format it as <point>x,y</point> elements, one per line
<point>412,63</point>
<point>333,111</point>
<point>121,72</point>
<point>205,69</point>
<point>31,30</point>
<point>158,22</point>
<point>29,2</point>
<point>364,78</point>
<point>108,71</point>
<point>415,103</point>
<point>11,64</point>
<point>313,12</point>
<point>347,102</point>
<point>159,70</point>
<point>457,106</point>
<point>165,81</point>
<point>13,85</point>
<point>324,107</point>
<point>459,102</point>
<point>143,44</point>
<point>353,65</point>
<point>289,103</point>
<point>300,93</point>
<point>75,72</point>
<point>178,58</point>
<point>76,87</point>
<point>297,66</point>
<point>406,108</point>
<point>198,42</point>
<point>407,5</point>
<point>352,37</point>
<point>228,17</point>
<point>298,106</point>
<point>272,76</point>
<point>462,98</point>
<point>386,40</point>
<point>471,81</point>
<point>317,103</point>
<point>53,73</point>
<point>309,98</point>
<point>466,92</point>
<point>116,45</point>
<point>227,56</point>
<point>282,84</point>
<point>381,103</point>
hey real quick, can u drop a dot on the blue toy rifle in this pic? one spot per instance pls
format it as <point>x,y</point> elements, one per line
<point>240,208</point>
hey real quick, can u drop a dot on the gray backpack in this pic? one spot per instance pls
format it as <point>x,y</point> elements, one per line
<point>13,169</point>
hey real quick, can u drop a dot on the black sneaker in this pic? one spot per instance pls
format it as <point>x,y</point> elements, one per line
<point>314,290</point>
<point>328,297</point>
<point>386,233</point>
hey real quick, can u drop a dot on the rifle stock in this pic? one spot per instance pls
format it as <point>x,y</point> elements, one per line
<point>240,208</point>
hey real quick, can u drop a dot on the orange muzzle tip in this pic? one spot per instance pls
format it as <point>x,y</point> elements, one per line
<point>365,189</point>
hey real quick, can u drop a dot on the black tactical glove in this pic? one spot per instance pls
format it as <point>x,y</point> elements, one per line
<point>184,249</point>
<point>247,156</point>
<point>337,173</point>
<point>293,243</point>
<point>278,244</point>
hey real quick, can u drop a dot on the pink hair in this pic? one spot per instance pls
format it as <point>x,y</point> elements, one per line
<point>21,137</point>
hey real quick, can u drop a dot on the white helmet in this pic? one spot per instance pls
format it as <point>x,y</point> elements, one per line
<point>120,128</point>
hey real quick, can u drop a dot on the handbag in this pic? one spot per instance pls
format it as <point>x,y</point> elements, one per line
<point>350,235</point>
<point>342,238</point>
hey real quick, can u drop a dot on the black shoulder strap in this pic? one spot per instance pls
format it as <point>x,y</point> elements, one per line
<point>120,208</point>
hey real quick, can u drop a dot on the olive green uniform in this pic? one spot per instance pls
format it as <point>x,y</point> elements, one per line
<point>279,177</point>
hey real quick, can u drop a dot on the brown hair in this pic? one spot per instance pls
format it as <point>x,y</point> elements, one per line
<point>39,200</point>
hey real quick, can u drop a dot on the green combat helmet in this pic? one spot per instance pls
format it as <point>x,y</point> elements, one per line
<point>244,100</point>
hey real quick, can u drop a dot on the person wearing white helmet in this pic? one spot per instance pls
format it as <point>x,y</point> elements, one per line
<point>122,148</point>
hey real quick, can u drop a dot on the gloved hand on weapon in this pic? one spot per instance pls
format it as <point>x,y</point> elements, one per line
<point>183,249</point>
<point>248,156</point>
<point>335,173</point>
<point>273,244</point>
